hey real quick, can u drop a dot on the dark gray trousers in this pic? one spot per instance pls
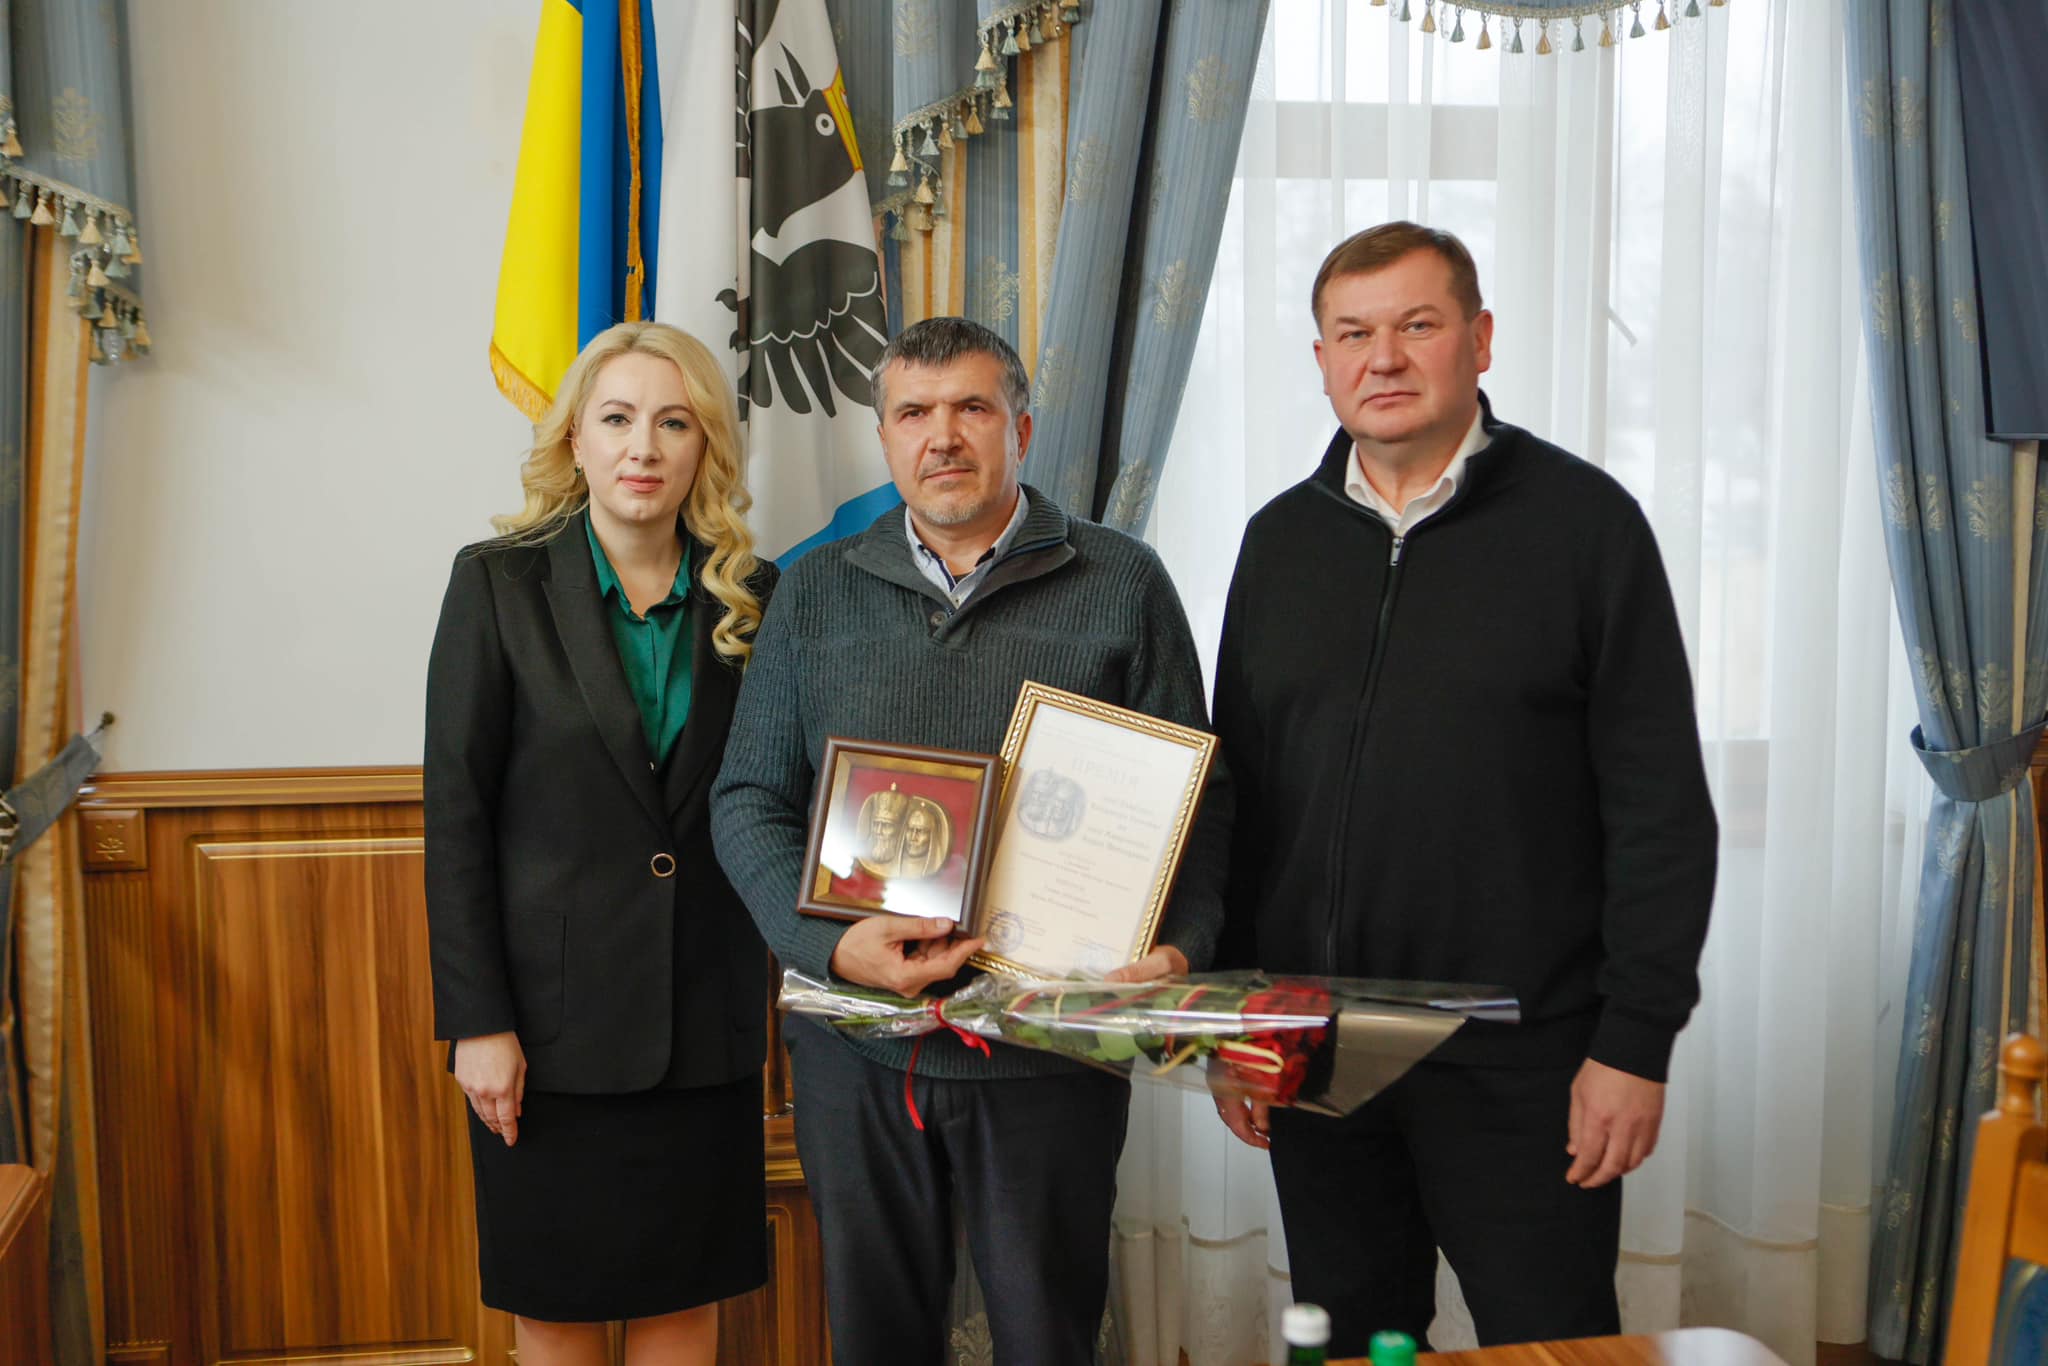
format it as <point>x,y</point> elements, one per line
<point>1032,1165</point>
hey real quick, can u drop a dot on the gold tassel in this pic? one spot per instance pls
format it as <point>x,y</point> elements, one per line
<point>141,334</point>
<point>900,165</point>
<point>924,193</point>
<point>1606,32</point>
<point>134,256</point>
<point>987,60</point>
<point>98,275</point>
<point>1379,3</point>
<point>1023,38</point>
<point>91,236</point>
<point>1429,19</point>
<point>42,217</point>
<point>974,128</point>
<point>1662,22</point>
<point>1485,37</point>
<point>1002,100</point>
<point>1543,43</point>
<point>12,147</point>
<point>945,136</point>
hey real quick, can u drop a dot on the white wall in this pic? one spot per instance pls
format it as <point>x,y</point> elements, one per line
<point>273,497</point>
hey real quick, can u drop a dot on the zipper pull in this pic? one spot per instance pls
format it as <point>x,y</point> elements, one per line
<point>1395,558</point>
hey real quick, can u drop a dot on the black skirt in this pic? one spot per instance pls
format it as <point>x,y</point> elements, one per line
<point>622,1207</point>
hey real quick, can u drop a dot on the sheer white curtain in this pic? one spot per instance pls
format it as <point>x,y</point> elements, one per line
<point>1663,231</point>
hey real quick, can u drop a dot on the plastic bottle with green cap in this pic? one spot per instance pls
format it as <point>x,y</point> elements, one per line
<point>1392,1349</point>
<point>1305,1328</point>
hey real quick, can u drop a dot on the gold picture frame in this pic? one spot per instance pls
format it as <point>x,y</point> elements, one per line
<point>1097,802</point>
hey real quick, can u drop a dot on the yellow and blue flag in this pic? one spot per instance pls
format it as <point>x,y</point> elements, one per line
<point>727,150</point>
<point>581,247</point>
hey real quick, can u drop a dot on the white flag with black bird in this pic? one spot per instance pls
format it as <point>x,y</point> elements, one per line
<point>768,252</point>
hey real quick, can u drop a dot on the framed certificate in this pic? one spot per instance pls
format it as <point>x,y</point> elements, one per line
<point>1096,805</point>
<point>897,829</point>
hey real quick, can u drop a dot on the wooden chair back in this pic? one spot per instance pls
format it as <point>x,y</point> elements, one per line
<point>1999,1312</point>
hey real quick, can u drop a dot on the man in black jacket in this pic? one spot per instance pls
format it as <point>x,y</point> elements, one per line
<point>1454,695</point>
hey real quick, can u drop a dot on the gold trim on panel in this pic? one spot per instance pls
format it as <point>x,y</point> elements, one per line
<point>251,787</point>
<point>230,851</point>
<point>411,1356</point>
<point>138,1352</point>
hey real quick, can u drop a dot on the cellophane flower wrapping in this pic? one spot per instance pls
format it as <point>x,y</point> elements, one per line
<point>1270,1039</point>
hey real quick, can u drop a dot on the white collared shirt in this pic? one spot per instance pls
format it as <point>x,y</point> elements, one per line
<point>1404,520</point>
<point>933,565</point>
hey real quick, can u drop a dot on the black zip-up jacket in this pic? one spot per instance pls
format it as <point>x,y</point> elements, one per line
<point>1470,755</point>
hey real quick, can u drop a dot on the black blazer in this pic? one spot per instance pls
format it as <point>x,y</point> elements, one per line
<point>572,893</point>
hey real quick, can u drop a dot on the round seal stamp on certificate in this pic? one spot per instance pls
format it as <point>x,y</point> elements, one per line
<point>1005,931</point>
<point>1051,805</point>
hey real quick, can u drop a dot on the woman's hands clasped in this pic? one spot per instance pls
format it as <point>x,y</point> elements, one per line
<point>491,1070</point>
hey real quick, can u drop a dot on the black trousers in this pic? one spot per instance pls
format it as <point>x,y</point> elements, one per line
<point>1469,1159</point>
<point>1032,1164</point>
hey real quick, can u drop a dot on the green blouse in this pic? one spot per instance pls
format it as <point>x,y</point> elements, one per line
<point>654,650</point>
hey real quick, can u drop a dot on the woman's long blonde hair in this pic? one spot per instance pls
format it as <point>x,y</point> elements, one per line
<point>714,511</point>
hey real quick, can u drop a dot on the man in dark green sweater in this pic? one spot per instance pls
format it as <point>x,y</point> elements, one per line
<point>1455,702</point>
<point>921,630</point>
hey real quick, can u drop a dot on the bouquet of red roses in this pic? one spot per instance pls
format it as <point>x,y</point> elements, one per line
<point>1317,1043</point>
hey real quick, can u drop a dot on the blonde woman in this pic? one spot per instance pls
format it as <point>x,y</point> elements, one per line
<point>602,984</point>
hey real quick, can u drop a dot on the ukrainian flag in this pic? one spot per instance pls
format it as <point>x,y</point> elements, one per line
<point>580,247</point>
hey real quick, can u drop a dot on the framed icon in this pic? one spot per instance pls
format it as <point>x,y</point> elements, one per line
<point>898,830</point>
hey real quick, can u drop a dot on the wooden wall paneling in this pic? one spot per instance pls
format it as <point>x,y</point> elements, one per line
<point>115,841</point>
<point>140,983</point>
<point>283,1158</point>
<point>282,1162</point>
<point>335,1129</point>
<point>784,1321</point>
<point>24,1267</point>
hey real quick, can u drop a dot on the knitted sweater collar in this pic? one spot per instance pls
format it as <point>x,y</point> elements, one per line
<point>1042,545</point>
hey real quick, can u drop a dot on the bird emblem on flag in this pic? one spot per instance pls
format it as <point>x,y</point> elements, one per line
<point>814,320</point>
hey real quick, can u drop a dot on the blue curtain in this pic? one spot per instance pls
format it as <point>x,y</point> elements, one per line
<point>1160,102</point>
<point>1966,530</point>
<point>65,158</point>
<point>1155,110</point>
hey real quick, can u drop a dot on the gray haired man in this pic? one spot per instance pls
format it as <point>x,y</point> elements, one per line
<point>920,630</point>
